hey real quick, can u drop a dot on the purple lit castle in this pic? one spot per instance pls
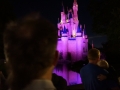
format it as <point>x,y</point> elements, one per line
<point>72,44</point>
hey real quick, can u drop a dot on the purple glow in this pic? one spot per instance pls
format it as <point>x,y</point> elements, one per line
<point>76,47</point>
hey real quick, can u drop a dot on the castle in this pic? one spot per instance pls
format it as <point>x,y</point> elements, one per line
<point>72,44</point>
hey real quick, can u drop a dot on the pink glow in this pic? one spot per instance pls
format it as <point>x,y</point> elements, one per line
<point>75,47</point>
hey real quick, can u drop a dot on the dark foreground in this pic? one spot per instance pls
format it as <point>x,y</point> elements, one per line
<point>76,87</point>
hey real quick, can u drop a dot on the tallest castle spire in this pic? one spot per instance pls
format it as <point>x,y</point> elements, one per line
<point>62,9</point>
<point>75,2</point>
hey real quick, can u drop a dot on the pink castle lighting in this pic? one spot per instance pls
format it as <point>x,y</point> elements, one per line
<point>72,44</point>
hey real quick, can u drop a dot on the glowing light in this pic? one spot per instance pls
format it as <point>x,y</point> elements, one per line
<point>73,33</point>
<point>61,22</point>
<point>67,20</point>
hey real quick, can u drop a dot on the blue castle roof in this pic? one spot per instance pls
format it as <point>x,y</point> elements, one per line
<point>65,30</point>
<point>79,29</point>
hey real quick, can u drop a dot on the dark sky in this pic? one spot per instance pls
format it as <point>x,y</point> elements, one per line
<point>50,9</point>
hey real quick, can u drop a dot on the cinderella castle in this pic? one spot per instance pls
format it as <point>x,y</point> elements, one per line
<point>72,44</point>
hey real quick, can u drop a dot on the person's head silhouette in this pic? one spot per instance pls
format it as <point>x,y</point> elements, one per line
<point>30,50</point>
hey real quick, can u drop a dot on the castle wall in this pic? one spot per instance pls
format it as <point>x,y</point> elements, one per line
<point>74,78</point>
<point>79,46</point>
<point>59,45</point>
<point>75,46</point>
<point>64,46</point>
<point>72,48</point>
<point>85,47</point>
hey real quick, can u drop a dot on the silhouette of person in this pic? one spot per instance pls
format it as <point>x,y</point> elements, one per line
<point>59,82</point>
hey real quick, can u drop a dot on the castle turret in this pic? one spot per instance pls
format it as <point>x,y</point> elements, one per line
<point>85,44</point>
<point>62,8</point>
<point>64,32</point>
<point>79,42</point>
<point>70,15</point>
<point>63,16</point>
<point>64,39</point>
<point>75,10</point>
<point>85,35</point>
<point>79,30</point>
<point>75,5</point>
<point>84,32</point>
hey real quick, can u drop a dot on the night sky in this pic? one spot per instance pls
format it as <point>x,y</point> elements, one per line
<point>50,9</point>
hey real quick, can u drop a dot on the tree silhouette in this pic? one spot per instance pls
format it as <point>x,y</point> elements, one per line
<point>106,19</point>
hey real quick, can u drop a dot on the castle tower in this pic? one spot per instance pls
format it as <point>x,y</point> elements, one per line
<point>64,39</point>
<point>79,42</point>
<point>63,16</point>
<point>85,35</point>
<point>84,32</point>
<point>85,42</point>
<point>64,46</point>
<point>70,23</point>
<point>75,10</point>
<point>79,31</point>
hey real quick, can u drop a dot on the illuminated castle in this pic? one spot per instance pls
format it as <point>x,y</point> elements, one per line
<point>72,44</point>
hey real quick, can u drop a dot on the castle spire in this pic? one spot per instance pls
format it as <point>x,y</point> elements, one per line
<point>70,14</point>
<point>84,30</point>
<point>63,10</point>
<point>83,33</point>
<point>75,1</point>
<point>58,20</point>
